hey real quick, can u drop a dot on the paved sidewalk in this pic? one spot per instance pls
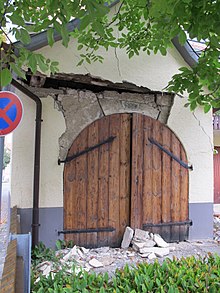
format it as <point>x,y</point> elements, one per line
<point>4,225</point>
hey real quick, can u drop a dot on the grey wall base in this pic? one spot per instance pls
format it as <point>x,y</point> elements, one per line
<point>51,221</point>
<point>201,215</point>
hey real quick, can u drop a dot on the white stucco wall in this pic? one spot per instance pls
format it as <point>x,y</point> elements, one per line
<point>23,156</point>
<point>51,175</point>
<point>154,72</point>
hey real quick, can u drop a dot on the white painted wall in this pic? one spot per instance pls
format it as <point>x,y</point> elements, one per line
<point>154,72</point>
<point>51,175</point>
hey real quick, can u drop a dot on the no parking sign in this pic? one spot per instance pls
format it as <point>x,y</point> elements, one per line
<point>11,111</point>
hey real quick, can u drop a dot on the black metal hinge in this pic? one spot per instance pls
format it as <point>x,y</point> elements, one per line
<point>110,139</point>
<point>95,230</point>
<point>183,164</point>
<point>183,223</point>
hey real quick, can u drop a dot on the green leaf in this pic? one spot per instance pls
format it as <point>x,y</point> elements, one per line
<point>5,77</point>
<point>207,107</point>
<point>16,19</point>
<point>193,105</point>
<point>80,62</point>
<point>41,63</point>
<point>24,36</point>
<point>163,51</point>
<point>182,37</point>
<point>84,22</point>
<point>17,70</point>
<point>50,36</point>
<point>33,63</point>
<point>99,28</point>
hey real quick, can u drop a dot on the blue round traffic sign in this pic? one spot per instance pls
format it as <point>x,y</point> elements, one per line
<point>11,111</point>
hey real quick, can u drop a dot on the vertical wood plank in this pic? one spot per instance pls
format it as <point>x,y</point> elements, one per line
<point>175,195</point>
<point>166,183</point>
<point>216,158</point>
<point>92,197</point>
<point>114,176</point>
<point>124,173</point>
<point>103,197</point>
<point>147,173</point>
<point>81,188</point>
<point>70,184</point>
<point>184,191</point>
<point>156,176</point>
<point>137,171</point>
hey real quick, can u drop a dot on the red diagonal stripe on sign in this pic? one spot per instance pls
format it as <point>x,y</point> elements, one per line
<point>5,117</point>
<point>8,106</point>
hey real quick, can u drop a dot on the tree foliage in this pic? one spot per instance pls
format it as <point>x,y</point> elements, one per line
<point>135,25</point>
<point>6,157</point>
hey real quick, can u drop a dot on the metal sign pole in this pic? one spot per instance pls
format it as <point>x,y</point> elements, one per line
<point>1,169</point>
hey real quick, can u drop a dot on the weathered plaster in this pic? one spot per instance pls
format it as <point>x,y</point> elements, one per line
<point>81,108</point>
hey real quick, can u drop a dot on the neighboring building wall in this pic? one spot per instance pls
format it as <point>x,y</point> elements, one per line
<point>216,137</point>
<point>154,72</point>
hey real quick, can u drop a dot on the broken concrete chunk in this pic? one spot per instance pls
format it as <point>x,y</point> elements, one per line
<point>95,263</point>
<point>159,241</point>
<point>42,266</point>
<point>152,256</point>
<point>141,234</point>
<point>144,255</point>
<point>84,250</point>
<point>158,250</point>
<point>128,235</point>
<point>161,252</point>
<point>107,261</point>
<point>147,243</point>
<point>47,270</point>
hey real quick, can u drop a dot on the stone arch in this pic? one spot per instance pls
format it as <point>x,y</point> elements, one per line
<point>81,107</point>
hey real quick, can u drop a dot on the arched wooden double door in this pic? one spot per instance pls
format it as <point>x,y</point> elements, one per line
<point>117,176</point>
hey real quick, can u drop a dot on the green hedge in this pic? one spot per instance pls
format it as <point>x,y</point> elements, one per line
<point>185,275</point>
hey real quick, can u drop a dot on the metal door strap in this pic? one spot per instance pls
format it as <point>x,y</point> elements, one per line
<point>110,139</point>
<point>183,164</point>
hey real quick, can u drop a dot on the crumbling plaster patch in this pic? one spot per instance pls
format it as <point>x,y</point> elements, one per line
<point>81,107</point>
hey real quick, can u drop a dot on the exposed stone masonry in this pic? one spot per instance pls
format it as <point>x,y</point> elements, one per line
<point>81,107</point>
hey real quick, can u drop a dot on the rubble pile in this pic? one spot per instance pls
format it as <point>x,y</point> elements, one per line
<point>147,245</point>
<point>216,228</point>
<point>136,245</point>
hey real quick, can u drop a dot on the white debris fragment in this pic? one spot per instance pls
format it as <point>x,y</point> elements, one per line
<point>152,256</point>
<point>156,250</point>
<point>47,270</point>
<point>84,250</point>
<point>143,255</point>
<point>95,263</point>
<point>159,241</point>
<point>106,261</point>
<point>141,234</point>
<point>128,235</point>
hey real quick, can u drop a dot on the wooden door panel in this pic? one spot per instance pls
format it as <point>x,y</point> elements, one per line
<point>98,195</point>
<point>160,198</point>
